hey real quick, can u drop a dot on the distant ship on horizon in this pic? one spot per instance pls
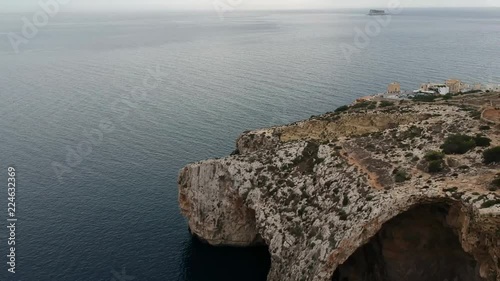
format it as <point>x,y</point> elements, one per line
<point>377,12</point>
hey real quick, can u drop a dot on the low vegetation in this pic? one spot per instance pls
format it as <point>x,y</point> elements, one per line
<point>363,104</point>
<point>412,132</point>
<point>458,144</point>
<point>434,155</point>
<point>401,175</point>
<point>492,155</point>
<point>485,128</point>
<point>482,141</point>
<point>424,98</point>
<point>495,184</point>
<point>435,161</point>
<point>342,108</point>
<point>435,166</point>
<point>461,144</point>
<point>386,103</point>
<point>448,96</point>
<point>490,203</point>
<point>473,112</point>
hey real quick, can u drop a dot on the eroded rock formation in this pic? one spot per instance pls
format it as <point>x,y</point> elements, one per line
<point>419,244</point>
<point>330,193</point>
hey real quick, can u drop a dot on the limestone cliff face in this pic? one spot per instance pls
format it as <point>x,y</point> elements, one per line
<point>329,194</point>
<point>218,214</point>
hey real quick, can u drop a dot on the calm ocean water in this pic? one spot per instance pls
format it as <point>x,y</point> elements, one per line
<point>115,209</point>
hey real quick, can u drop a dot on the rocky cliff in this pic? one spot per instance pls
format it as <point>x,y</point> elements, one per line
<point>364,194</point>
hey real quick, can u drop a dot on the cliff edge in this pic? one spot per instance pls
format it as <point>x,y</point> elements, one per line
<point>379,191</point>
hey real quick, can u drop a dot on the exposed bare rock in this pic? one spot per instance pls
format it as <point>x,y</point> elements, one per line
<point>219,215</point>
<point>349,195</point>
<point>254,140</point>
<point>350,125</point>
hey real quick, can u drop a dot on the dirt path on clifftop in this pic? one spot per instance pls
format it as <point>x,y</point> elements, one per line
<point>372,177</point>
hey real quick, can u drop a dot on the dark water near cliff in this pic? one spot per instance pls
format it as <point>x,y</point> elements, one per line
<point>116,208</point>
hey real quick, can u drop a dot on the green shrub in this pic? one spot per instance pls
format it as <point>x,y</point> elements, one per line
<point>401,175</point>
<point>484,128</point>
<point>435,166</point>
<point>297,230</point>
<point>411,133</point>
<point>424,98</point>
<point>342,108</point>
<point>451,189</point>
<point>492,155</point>
<point>458,144</point>
<point>362,104</point>
<point>345,201</point>
<point>475,114</point>
<point>482,141</point>
<point>343,215</point>
<point>372,106</point>
<point>495,184</point>
<point>490,203</point>
<point>434,155</point>
<point>386,103</point>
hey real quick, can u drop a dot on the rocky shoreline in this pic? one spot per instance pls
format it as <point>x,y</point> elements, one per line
<point>365,193</point>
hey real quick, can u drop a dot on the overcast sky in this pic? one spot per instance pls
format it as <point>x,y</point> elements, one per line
<point>10,5</point>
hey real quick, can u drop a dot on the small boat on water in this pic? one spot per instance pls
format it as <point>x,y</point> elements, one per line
<point>377,12</point>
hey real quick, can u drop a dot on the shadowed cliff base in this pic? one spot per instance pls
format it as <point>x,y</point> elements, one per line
<point>209,263</point>
<point>416,245</point>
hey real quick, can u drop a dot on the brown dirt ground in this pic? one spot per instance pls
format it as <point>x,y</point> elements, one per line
<point>492,114</point>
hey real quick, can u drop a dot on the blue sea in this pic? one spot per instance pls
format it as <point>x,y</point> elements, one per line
<point>99,111</point>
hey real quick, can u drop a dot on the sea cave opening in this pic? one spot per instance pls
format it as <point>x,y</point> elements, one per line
<point>413,246</point>
<point>223,263</point>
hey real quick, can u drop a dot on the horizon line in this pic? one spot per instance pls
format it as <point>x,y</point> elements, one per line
<point>165,9</point>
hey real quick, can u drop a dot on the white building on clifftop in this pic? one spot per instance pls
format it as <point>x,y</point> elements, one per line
<point>441,89</point>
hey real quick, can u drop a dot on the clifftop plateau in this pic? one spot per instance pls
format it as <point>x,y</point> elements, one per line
<point>379,191</point>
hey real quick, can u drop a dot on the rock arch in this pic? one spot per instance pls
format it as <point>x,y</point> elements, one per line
<point>433,241</point>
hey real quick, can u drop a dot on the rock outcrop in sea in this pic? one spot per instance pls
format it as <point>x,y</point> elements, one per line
<point>364,194</point>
